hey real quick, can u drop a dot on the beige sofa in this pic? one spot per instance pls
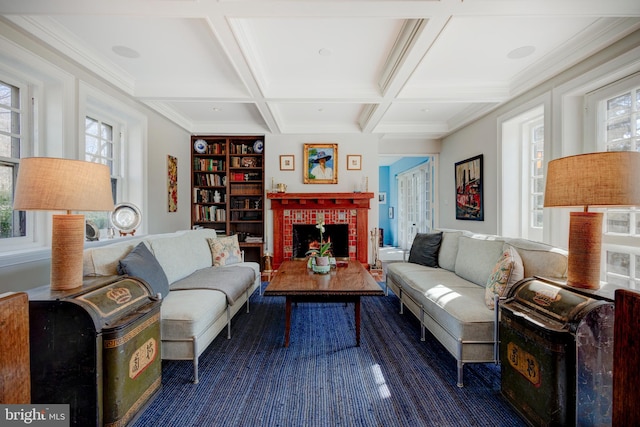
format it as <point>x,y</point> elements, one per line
<point>449,300</point>
<point>190,318</point>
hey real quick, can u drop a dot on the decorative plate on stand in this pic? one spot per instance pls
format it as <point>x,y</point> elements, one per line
<point>126,218</point>
<point>200,145</point>
<point>258,146</point>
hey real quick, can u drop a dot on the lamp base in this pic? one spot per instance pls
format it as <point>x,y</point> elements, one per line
<point>585,242</point>
<point>67,244</point>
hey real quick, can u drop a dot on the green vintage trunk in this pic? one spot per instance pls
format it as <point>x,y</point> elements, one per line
<point>539,353</point>
<point>132,367</point>
<point>96,348</point>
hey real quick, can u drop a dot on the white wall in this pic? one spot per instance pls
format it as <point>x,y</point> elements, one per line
<point>61,88</point>
<point>481,137</point>
<point>348,180</point>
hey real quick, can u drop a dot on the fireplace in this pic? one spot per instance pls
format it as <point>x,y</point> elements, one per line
<point>347,209</point>
<point>306,234</point>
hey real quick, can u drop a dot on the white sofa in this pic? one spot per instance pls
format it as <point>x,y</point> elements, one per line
<point>449,300</point>
<point>190,318</point>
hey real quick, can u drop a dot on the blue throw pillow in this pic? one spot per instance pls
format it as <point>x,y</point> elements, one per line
<point>424,249</point>
<point>141,263</point>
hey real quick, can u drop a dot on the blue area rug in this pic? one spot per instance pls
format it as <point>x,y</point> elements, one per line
<point>323,379</point>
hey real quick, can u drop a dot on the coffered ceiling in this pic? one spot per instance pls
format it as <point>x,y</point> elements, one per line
<point>418,69</point>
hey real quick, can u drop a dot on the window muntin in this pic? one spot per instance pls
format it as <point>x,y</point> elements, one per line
<point>101,147</point>
<point>618,120</point>
<point>12,223</point>
<point>99,142</point>
<point>535,137</point>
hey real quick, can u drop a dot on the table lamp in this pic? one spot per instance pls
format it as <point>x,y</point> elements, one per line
<point>596,179</point>
<point>53,184</point>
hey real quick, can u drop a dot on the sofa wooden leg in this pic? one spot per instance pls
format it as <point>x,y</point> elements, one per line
<point>195,360</point>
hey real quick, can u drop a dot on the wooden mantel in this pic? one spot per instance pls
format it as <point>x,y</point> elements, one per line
<point>283,203</point>
<point>320,200</point>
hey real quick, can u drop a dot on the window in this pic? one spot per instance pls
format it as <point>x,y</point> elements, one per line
<point>12,223</point>
<point>617,116</point>
<point>100,147</point>
<point>535,171</point>
<point>523,174</point>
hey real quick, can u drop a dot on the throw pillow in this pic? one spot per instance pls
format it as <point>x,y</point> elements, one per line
<point>141,263</point>
<point>424,249</point>
<point>506,273</point>
<point>225,250</point>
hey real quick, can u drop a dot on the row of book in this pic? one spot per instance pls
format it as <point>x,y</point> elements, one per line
<point>208,196</point>
<point>208,164</point>
<point>215,148</point>
<point>241,149</point>
<point>210,213</point>
<point>210,180</point>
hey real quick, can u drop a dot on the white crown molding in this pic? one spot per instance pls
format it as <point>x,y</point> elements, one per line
<point>170,113</point>
<point>52,33</point>
<point>582,46</point>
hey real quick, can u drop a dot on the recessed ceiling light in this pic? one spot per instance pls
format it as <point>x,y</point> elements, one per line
<point>325,52</point>
<point>216,109</point>
<point>125,52</point>
<point>321,109</point>
<point>521,52</point>
<point>424,110</point>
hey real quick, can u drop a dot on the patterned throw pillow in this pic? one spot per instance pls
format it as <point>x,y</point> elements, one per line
<point>506,273</point>
<point>225,250</point>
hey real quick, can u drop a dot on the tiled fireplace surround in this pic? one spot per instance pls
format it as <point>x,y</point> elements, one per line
<point>306,208</point>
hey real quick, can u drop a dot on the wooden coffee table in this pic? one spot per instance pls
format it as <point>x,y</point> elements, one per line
<point>346,284</point>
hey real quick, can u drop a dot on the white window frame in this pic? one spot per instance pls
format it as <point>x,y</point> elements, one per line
<point>514,174</point>
<point>33,222</point>
<point>130,129</point>
<point>622,243</point>
<point>116,158</point>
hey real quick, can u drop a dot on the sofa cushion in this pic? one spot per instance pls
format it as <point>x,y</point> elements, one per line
<point>424,249</point>
<point>103,260</point>
<point>204,307</point>
<point>141,263</point>
<point>225,250</point>
<point>506,273</point>
<point>453,302</point>
<point>540,259</point>
<point>476,258</point>
<point>448,250</point>
<point>176,255</point>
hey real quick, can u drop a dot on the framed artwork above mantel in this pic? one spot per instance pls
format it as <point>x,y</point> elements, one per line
<point>320,164</point>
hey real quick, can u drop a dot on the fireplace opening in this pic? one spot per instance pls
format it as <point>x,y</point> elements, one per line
<point>305,234</point>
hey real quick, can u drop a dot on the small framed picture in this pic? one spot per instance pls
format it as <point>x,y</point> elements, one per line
<point>391,213</point>
<point>354,162</point>
<point>287,162</point>
<point>382,198</point>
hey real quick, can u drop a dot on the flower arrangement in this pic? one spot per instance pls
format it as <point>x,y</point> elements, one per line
<point>324,248</point>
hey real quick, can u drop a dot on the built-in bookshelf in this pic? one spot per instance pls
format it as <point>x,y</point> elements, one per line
<point>227,181</point>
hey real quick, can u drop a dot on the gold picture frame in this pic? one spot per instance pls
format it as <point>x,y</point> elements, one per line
<point>354,162</point>
<point>320,164</point>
